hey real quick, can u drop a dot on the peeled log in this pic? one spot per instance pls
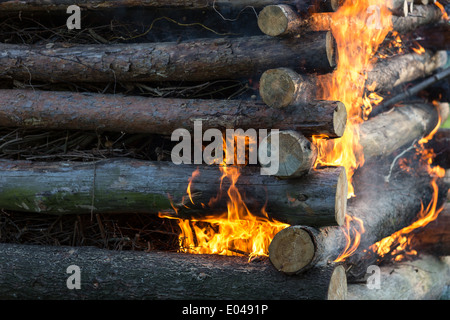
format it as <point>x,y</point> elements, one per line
<point>134,114</point>
<point>400,127</point>
<point>296,154</point>
<point>194,60</point>
<point>39,272</point>
<point>384,208</point>
<point>128,185</point>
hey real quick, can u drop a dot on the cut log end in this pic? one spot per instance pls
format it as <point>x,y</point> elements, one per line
<point>341,197</point>
<point>278,87</point>
<point>276,20</point>
<point>296,154</point>
<point>331,47</point>
<point>338,284</point>
<point>292,250</point>
<point>340,119</point>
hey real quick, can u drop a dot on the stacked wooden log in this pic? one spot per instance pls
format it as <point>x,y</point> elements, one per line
<point>312,200</point>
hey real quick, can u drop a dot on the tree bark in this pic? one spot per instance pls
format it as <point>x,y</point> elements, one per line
<point>390,73</point>
<point>39,272</point>
<point>434,238</point>
<point>297,248</point>
<point>283,86</point>
<point>194,60</point>
<point>424,278</point>
<point>126,185</point>
<point>399,128</point>
<point>134,114</point>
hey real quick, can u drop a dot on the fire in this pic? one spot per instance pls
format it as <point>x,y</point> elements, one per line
<point>401,239</point>
<point>351,246</point>
<point>444,13</point>
<point>363,26</point>
<point>237,231</point>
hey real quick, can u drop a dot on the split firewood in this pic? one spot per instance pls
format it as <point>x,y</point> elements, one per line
<point>194,60</point>
<point>295,249</point>
<point>434,238</point>
<point>109,275</point>
<point>281,19</point>
<point>128,185</point>
<point>296,154</point>
<point>380,136</point>
<point>281,87</point>
<point>423,278</point>
<point>134,114</point>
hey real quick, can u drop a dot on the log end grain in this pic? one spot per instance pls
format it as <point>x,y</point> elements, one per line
<point>337,289</point>
<point>331,46</point>
<point>275,20</point>
<point>292,250</point>
<point>296,155</point>
<point>341,197</point>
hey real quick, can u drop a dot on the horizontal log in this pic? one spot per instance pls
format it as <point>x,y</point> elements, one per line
<point>134,114</point>
<point>380,136</point>
<point>127,185</point>
<point>48,5</point>
<point>194,60</point>
<point>281,87</point>
<point>423,278</point>
<point>281,19</point>
<point>297,248</point>
<point>40,272</point>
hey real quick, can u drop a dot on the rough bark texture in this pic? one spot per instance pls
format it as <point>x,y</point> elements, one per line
<point>125,185</point>
<point>399,128</point>
<point>424,278</point>
<point>40,5</point>
<point>401,202</point>
<point>133,114</point>
<point>39,272</point>
<point>194,60</point>
<point>392,72</point>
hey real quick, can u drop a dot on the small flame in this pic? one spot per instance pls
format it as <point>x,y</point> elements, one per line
<point>419,49</point>
<point>351,232</point>
<point>444,13</point>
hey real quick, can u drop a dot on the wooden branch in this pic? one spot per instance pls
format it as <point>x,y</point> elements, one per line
<point>47,5</point>
<point>282,86</point>
<point>134,114</point>
<point>39,272</point>
<point>194,60</point>
<point>389,73</point>
<point>424,278</point>
<point>296,154</point>
<point>295,249</point>
<point>127,185</point>
<point>380,136</point>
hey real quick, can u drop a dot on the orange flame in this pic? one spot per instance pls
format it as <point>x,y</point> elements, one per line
<point>444,13</point>
<point>237,231</point>
<point>351,245</point>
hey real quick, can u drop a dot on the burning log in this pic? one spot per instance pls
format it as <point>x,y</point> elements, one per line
<point>172,276</point>
<point>389,73</point>
<point>282,86</point>
<point>127,185</point>
<point>275,21</point>
<point>380,136</point>
<point>434,238</point>
<point>281,20</point>
<point>194,60</point>
<point>423,278</point>
<point>134,114</point>
<point>295,249</point>
<point>296,154</point>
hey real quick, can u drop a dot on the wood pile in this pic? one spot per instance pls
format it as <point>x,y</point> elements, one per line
<point>80,92</point>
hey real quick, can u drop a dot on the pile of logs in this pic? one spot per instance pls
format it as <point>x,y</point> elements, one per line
<point>313,201</point>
